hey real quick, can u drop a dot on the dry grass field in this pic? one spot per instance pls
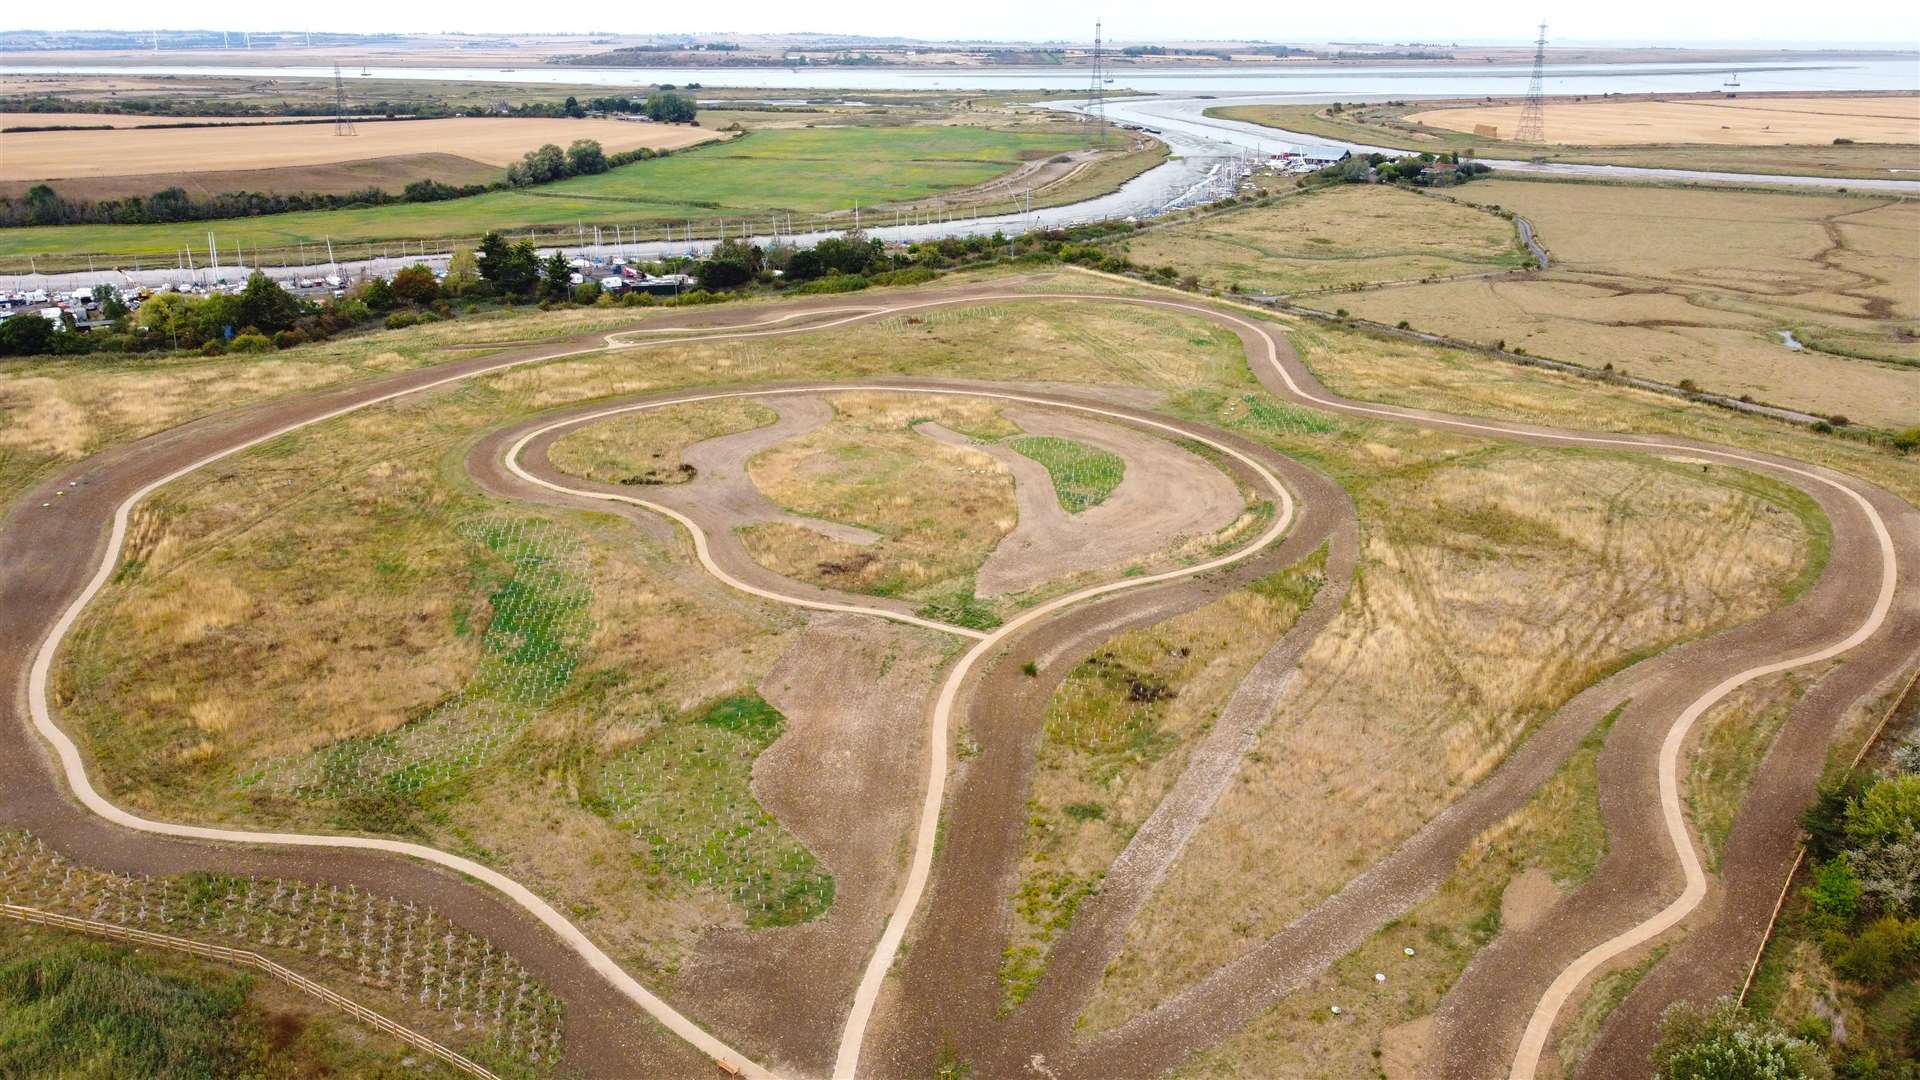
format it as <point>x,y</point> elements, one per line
<point>51,155</point>
<point>1694,285</point>
<point>1398,372</point>
<point>645,448</point>
<point>1496,582</point>
<point>270,698</point>
<point>1731,121</point>
<point>1504,880</point>
<point>939,509</point>
<point>1333,238</point>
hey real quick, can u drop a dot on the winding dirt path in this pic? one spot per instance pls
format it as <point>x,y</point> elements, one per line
<point>53,561</point>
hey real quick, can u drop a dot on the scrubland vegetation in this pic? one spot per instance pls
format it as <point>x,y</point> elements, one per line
<point>1118,732</point>
<point>1332,239</point>
<point>1458,637</point>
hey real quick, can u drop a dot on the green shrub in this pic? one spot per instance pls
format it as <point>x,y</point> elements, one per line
<point>252,342</point>
<point>1724,1043</point>
<point>917,275</point>
<point>1883,948</point>
<point>1825,821</point>
<point>1835,892</point>
<point>834,283</point>
<point>400,320</point>
<point>696,298</point>
<point>1889,812</point>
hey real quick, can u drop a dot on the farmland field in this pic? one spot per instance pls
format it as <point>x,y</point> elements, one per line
<point>120,120</point>
<point>1750,121</point>
<point>48,155</point>
<point>1389,124</point>
<point>803,171</point>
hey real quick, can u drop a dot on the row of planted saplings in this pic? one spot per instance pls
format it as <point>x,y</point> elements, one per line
<point>412,952</point>
<point>538,617</point>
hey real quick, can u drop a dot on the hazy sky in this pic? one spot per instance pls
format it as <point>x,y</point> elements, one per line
<point>1776,22</point>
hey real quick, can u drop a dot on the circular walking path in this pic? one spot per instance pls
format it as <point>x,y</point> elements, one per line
<point>54,560</point>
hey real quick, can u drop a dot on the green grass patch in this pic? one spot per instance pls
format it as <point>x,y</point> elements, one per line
<point>75,1008</point>
<point>1047,901</point>
<point>1578,841</point>
<point>684,791</point>
<point>1082,475</point>
<point>72,1007</point>
<point>961,608</point>
<point>1266,414</point>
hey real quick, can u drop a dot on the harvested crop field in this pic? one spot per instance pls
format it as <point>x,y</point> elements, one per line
<point>1390,124</point>
<point>389,174</point>
<point>46,155</point>
<point>1730,121</point>
<point>123,120</point>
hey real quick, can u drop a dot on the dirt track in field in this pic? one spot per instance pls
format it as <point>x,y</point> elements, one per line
<point>47,556</point>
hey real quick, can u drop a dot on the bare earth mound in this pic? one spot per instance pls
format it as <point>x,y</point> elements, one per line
<point>1139,519</point>
<point>721,485</point>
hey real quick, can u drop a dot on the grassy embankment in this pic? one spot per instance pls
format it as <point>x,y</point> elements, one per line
<point>1383,124</point>
<point>58,410</point>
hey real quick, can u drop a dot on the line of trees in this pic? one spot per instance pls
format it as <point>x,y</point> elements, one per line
<point>1415,169</point>
<point>42,205</point>
<point>672,112</point>
<point>549,163</point>
<point>263,316</point>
